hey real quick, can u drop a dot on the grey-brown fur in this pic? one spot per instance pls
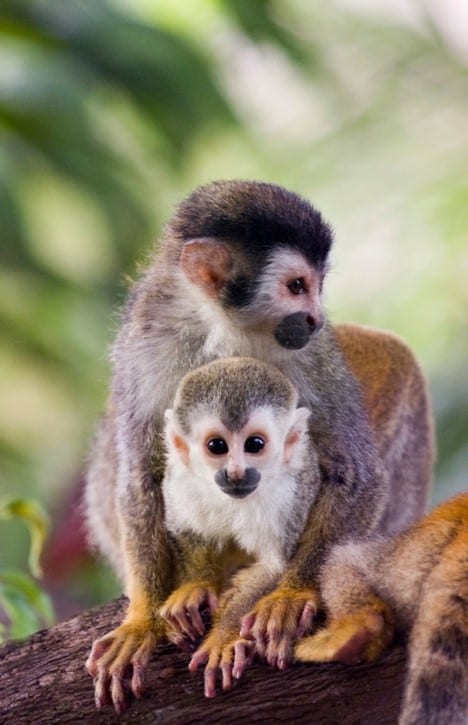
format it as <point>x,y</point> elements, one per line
<point>232,389</point>
<point>167,330</point>
<point>422,574</point>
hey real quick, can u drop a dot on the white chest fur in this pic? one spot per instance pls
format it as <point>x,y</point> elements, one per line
<point>257,523</point>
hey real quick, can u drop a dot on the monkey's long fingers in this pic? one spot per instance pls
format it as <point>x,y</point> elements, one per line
<point>108,687</point>
<point>210,681</point>
<point>182,608</point>
<point>182,618</point>
<point>247,624</point>
<point>279,653</point>
<point>226,671</point>
<point>139,663</point>
<point>116,662</point>
<point>254,626</point>
<point>243,657</point>
<point>178,639</point>
<point>213,602</point>
<point>101,689</point>
<point>198,658</point>
<point>97,650</point>
<point>307,618</point>
<point>117,690</point>
<point>211,670</point>
<point>176,615</point>
<point>193,609</point>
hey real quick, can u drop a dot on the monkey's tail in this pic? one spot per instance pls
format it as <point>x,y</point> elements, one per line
<point>437,681</point>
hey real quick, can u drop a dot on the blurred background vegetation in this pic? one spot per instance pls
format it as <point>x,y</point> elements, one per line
<point>110,112</point>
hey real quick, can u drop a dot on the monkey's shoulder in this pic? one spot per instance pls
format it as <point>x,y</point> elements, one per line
<point>375,354</point>
<point>390,377</point>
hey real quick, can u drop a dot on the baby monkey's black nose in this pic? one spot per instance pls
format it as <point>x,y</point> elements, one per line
<point>238,487</point>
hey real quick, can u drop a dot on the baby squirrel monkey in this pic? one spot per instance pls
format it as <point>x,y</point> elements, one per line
<point>416,581</point>
<point>241,479</point>
<point>240,272</point>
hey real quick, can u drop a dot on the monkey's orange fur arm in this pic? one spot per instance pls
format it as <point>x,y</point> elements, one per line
<point>400,568</point>
<point>359,636</point>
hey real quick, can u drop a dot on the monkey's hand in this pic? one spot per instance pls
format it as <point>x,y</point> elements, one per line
<point>182,610</point>
<point>277,619</point>
<point>224,651</point>
<point>118,661</point>
<point>358,637</point>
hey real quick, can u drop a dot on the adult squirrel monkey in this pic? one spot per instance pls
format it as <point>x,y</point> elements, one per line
<point>240,272</point>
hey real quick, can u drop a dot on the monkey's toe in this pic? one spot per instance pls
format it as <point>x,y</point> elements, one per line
<point>275,621</point>
<point>118,662</point>
<point>222,652</point>
<point>182,608</point>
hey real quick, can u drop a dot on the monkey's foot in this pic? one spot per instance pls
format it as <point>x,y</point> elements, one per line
<point>182,610</point>
<point>118,661</point>
<point>358,637</point>
<point>222,651</point>
<point>277,620</point>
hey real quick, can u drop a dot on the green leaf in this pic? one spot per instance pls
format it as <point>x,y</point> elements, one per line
<point>37,521</point>
<point>25,604</point>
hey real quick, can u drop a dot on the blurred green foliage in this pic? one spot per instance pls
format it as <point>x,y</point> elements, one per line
<point>111,111</point>
<point>23,602</point>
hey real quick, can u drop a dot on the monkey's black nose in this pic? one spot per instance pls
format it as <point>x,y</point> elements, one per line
<point>238,487</point>
<point>315,323</point>
<point>295,330</point>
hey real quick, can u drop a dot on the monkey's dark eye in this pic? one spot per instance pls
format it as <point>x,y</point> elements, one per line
<point>254,444</point>
<point>217,446</point>
<point>297,286</point>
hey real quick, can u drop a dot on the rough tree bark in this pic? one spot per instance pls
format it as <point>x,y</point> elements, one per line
<point>43,680</point>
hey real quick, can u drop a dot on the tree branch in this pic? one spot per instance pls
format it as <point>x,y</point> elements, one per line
<point>43,680</point>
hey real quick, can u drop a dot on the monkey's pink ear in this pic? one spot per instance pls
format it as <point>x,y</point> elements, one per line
<point>173,437</point>
<point>296,431</point>
<point>207,263</point>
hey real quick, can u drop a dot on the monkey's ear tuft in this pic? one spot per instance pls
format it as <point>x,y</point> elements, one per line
<point>207,263</point>
<point>174,438</point>
<point>296,431</point>
<point>301,417</point>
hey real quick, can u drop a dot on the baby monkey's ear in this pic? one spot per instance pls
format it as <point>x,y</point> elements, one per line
<point>174,439</point>
<point>207,262</point>
<point>296,432</point>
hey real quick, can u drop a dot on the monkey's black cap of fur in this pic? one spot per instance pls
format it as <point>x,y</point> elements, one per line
<point>260,217</point>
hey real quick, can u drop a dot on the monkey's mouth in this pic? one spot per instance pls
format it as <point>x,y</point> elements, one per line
<point>295,331</point>
<point>238,487</point>
<point>238,491</point>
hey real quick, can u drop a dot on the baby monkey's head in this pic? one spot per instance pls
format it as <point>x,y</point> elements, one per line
<point>237,422</point>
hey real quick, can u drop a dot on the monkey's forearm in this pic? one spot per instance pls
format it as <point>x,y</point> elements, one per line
<point>248,586</point>
<point>200,575</point>
<point>348,505</point>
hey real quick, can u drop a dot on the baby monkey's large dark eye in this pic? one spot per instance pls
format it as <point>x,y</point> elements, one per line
<point>217,446</point>
<point>297,286</point>
<point>254,444</point>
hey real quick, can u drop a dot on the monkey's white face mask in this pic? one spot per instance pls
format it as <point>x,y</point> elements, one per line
<point>238,484</point>
<point>237,462</point>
